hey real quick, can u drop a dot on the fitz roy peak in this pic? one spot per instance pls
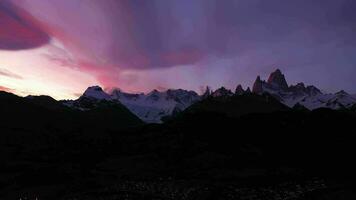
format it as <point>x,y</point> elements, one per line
<point>299,94</point>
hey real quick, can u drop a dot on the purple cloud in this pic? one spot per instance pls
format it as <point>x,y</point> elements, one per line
<point>311,40</point>
<point>18,30</point>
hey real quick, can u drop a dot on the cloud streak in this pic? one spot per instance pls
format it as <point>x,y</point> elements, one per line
<point>7,73</point>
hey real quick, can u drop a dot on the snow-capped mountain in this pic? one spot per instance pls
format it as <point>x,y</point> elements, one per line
<point>149,107</point>
<point>96,92</point>
<point>153,106</point>
<point>90,99</point>
<point>308,96</point>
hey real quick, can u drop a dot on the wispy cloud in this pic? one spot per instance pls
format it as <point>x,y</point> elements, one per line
<point>6,89</point>
<point>7,73</point>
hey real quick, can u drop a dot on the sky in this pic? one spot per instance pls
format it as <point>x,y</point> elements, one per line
<point>60,47</point>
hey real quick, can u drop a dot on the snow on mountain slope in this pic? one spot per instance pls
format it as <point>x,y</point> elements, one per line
<point>308,96</point>
<point>153,106</point>
<point>96,92</point>
<point>149,107</point>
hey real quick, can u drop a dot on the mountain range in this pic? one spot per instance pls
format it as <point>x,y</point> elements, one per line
<point>149,107</point>
<point>78,149</point>
<point>309,96</point>
<point>155,105</point>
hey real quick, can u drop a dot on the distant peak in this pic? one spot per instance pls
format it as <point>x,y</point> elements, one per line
<point>277,79</point>
<point>96,92</point>
<point>341,92</point>
<point>278,71</point>
<point>258,78</point>
<point>248,90</point>
<point>95,88</point>
<point>222,91</point>
<point>207,92</point>
<point>154,92</point>
<point>239,90</point>
<point>257,86</point>
<point>301,85</point>
<point>116,90</point>
<point>239,86</point>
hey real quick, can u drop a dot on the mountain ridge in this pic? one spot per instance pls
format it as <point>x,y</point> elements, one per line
<point>309,96</point>
<point>153,106</point>
<point>150,107</point>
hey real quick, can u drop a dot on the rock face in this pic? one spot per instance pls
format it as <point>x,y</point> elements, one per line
<point>207,92</point>
<point>308,96</point>
<point>257,86</point>
<point>248,91</point>
<point>277,79</point>
<point>149,107</point>
<point>222,92</point>
<point>239,90</point>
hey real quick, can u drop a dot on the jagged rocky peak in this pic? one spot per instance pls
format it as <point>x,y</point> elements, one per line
<point>207,92</point>
<point>342,93</point>
<point>180,92</point>
<point>299,88</point>
<point>181,95</point>
<point>248,90</point>
<point>96,92</point>
<point>153,92</point>
<point>300,85</point>
<point>94,88</point>
<point>277,79</point>
<point>154,95</point>
<point>312,90</point>
<point>239,90</point>
<point>118,94</point>
<point>222,92</point>
<point>257,86</point>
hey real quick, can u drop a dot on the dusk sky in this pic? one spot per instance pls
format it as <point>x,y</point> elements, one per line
<point>60,47</point>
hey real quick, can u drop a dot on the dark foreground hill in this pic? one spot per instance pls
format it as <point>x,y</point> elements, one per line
<point>238,105</point>
<point>40,112</point>
<point>220,148</point>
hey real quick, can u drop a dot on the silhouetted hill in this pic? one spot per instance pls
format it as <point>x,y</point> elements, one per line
<point>40,111</point>
<point>47,102</point>
<point>238,105</point>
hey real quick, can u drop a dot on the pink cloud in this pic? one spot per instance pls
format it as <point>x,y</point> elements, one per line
<point>7,73</point>
<point>6,89</point>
